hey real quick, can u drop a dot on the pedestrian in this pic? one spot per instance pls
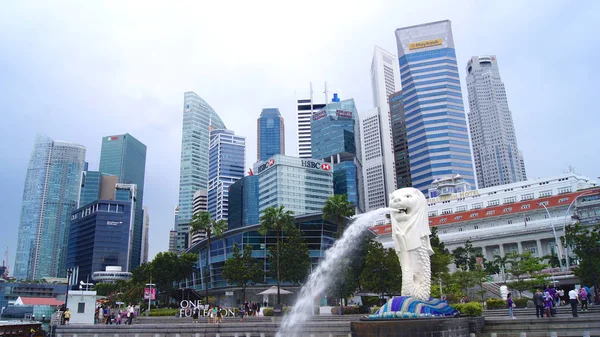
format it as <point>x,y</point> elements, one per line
<point>511,304</point>
<point>67,316</point>
<point>195,314</point>
<point>130,313</point>
<point>538,301</point>
<point>219,315</point>
<point>583,296</point>
<point>574,299</point>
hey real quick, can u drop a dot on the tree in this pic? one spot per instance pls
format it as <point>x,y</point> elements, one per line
<point>522,266</point>
<point>336,208</point>
<point>465,257</point>
<point>441,257</point>
<point>278,219</point>
<point>465,279</point>
<point>202,222</point>
<point>295,258</point>
<point>169,268</point>
<point>586,245</point>
<point>242,269</point>
<point>382,273</point>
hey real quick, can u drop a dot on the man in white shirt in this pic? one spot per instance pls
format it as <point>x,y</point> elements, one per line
<point>573,298</point>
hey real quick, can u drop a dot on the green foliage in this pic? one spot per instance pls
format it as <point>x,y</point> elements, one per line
<point>294,260</point>
<point>441,257</point>
<point>522,266</point>
<point>350,310</point>
<point>370,301</point>
<point>168,267</point>
<point>104,289</point>
<point>496,303</point>
<point>268,311</point>
<point>163,312</point>
<point>521,302</point>
<point>374,309</point>
<point>586,245</point>
<point>471,309</point>
<point>382,273</point>
<point>242,269</point>
<point>336,208</point>
<point>464,280</point>
<point>465,257</point>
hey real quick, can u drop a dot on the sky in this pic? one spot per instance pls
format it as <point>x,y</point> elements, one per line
<point>80,70</point>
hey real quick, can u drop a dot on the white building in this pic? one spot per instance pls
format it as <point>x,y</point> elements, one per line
<point>200,205</point>
<point>145,234</point>
<point>307,103</point>
<point>376,132</point>
<point>515,217</point>
<point>498,160</point>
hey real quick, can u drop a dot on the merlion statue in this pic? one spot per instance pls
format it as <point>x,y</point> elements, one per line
<point>410,231</point>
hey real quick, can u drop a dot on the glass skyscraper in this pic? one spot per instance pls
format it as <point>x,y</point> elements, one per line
<point>227,157</point>
<point>336,139</point>
<point>401,158</point>
<point>125,157</point>
<point>50,195</point>
<point>198,119</point>
<point>243,203</point>
<point>436,126</point>
<point>270,133</point>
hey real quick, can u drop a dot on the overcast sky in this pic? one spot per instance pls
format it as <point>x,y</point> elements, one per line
<point>80,70</point>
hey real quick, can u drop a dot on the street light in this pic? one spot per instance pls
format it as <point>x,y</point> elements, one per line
<point>149,295</point>
<point>69,273</point>
<point>559,253</point>
<point>565,222</point>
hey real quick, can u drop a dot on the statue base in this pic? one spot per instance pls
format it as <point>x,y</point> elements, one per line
<point>411,308</point>
<point>433,327</point>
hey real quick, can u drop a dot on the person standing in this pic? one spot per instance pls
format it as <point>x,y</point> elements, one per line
<point>130,313</point>
<point>538,301</point>
<point>583,296</point>
<point>510,305</point>
<point>67,316</point>
<point>573,298</point>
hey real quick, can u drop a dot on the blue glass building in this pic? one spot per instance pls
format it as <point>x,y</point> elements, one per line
<point>198,119</point>
<point>436,127</point>
<point>335,139</point>
<point>125,157</point>
<point>99,237</point>
<point>49,196</point>
<point>227,157</point>
<point>270,133</point>
<point>243,203</point>
<point>94,184</point>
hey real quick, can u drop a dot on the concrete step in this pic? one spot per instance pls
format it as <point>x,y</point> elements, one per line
<point>562,326</point>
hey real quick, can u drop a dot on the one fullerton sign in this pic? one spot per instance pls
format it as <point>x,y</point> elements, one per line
<point>425,44</point>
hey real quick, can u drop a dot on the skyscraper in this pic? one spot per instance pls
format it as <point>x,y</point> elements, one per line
<point>401,158</point>
<point>200,205</point>
<point>308,103</point>
<point>50,195</point>
<point>227,157</point>
<point>376,132</point>
<point>335,134</point>
<point>198,118</point>
<point>125,157</point>
<point>436,126</point>
<point>243,203</point>
<point>96,185</point>
<point>498,160</point>
<point>270,132</point>
<point>145,236</point>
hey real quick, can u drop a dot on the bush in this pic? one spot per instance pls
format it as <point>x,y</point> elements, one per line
<point>370,301</point>
<point>374,309</point>
<point>350,310</point>
<point>471,309</point>
<point>496,303</point>
<point>268,311</point>
<point>164,312</point>
<point>521,302</point>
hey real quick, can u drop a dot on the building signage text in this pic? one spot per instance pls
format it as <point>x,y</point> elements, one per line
<point>319,115</point>
<point>187,308</point>
<point>454,196</point>
<point>316,165</point>
<point>343,113</point>
<point>425,44</point>
<point>265,165</point>
<point>114,223</point>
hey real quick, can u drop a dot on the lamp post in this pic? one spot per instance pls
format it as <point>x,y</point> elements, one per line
<point>69,273</point>
<point>149,295</point>
<point>558,251</point>
<point>565,222</point>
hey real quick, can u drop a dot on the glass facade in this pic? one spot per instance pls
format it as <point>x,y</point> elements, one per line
<point>50,195</point>
<point>99,237</point>
<point>227,156</point>
<point>125,157</point>
<point>271,134</point>
<point>301,185</point>
<point>401,157</point>
<point>198,118</point>
<point>434,114</point>
<point>243,203</point>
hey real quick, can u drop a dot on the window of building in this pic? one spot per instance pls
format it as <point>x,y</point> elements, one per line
<point>564,190</point>
<point>477,205</point>
<point>458,217</point>
<point>546,193</point>
<point>447,211</point>
<point>544,203</point>
<point>490,212</point>
<point>443,220</point>
<point>527,218</point>
<point>526,206</point>
<point>461,208</point>
<point>527,196</point>
<point>510,200</point>
<point>476,227</point>
<point>81,308</point>
<point>460,229</point>
<point>433,213</point>
<point>474,215</point>
<point>494,202</point>
<point>561,200</point>
<point>508,209</point>
<point>510,222</point>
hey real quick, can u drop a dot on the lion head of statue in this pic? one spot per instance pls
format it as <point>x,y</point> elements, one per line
<point>410,205</point>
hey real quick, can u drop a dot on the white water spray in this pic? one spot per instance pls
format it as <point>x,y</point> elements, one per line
<point>320,279</point>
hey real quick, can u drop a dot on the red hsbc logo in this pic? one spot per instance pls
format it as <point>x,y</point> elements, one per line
<point>271,162</point>
<point>326,166</point>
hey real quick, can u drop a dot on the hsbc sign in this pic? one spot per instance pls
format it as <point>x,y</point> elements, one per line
<point>265,165</point>
<point>316,165</point>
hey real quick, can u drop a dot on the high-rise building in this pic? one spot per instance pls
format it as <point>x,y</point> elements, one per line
<point>227,157</point>
<point>376,193</point>
<point>308,103</point>
<point>145,235</point>
<point>198,119</point>
<point>335,134</point>
<point>174,234</point>
<point>270,132</point>
<point>243,203</point>
<point>200,205</point>
<point>96,185</point>
<point>50,195</point>
<point>300,185</point>
<point>436,126</point>
<point>125,157</point>
<point>498,160</point>
<point>401,158</point>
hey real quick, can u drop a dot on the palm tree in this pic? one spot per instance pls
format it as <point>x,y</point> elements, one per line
<point>336,208</point>
<point>278,219</point>
<point>201,222</point>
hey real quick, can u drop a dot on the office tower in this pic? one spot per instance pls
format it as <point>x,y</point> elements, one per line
<point>198,119</point>
<point>498,160</point>
<point>401,158</point>
<point>200,205</point>
<point>335,134</point>
<point>436,127</point>
<point>376,193</point>
<point>243,203</point>
<point>125,157</point>
<point>270,132</point>
<point>96,185</point>
<point>227,153</point>
<point>50,194</point>
<point>145,235</point>
<point>308,103</point>
<point>173,234</point>
<point>300,185</point>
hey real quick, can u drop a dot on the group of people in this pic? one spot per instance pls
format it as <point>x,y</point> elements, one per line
<point>215,314</point>
<point>108,315</point>
<point>546,302</point>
